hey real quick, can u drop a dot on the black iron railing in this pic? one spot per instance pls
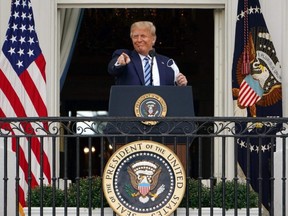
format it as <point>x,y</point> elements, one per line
<point>217,154</point>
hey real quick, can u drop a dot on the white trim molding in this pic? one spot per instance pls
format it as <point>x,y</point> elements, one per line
<point>144,4</point>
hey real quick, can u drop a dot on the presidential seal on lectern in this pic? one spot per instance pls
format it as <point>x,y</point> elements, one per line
<point>150,105</point>
<point>144,178</point>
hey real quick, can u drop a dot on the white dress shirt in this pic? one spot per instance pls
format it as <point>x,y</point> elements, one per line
<point>155,71</point>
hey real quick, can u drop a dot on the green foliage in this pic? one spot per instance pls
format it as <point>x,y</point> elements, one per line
<point>233,189</point>
<point>93,186</point>
<point>87,187</point>
<point>47,192</point>
<point>195,188</point>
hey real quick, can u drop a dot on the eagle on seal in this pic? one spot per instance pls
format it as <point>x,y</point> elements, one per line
<point>144,177</point>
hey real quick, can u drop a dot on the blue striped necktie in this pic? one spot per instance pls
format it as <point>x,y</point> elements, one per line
<point>147,71</point>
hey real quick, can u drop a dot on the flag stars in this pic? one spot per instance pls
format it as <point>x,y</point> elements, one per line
<point>30,53</point>
<point>11,51</point>
<point>269,147</point>
<point>242,144</point>
<point>29,16</point>
<point>253,148</point>
<point>19,63</point>
<point>24,4</point>
<point>24,16</point>
<point>17,3</point>
<point>21,46</point>
<point>31,41</point>
<point>14,27</point>
<point>257,10</point>
<point>23,28</point>
<point>242,14</point>
<point>22,40</point>
<point>257,149</point>
<point>31,28</point>
<point>15,15</point>
<point>263,148</point>
<point>251,10</point>
<point>13,39</point>
<point>21,52</point>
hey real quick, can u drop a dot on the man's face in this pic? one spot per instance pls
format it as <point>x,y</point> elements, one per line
<point>142,40</point>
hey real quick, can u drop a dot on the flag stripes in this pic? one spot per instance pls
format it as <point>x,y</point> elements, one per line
<point>23,94</point>
<point>247,96</point>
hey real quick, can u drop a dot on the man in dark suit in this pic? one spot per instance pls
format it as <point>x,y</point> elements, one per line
<point>128,66</point>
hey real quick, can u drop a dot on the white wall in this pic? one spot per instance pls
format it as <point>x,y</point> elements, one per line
<point>278,169</point>
<point>44,15</point>
<point>4,16</point>
<point>275,14</point>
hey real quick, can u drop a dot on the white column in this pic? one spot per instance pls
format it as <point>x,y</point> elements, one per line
<point>278,170</point>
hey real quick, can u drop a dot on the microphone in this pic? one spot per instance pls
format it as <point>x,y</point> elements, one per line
<point>152,54</point>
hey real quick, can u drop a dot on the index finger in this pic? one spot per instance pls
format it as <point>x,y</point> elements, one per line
<point>125,55</point>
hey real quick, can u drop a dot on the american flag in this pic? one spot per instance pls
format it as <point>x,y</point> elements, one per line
<point>257,88</point>
<point>23,93</point>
